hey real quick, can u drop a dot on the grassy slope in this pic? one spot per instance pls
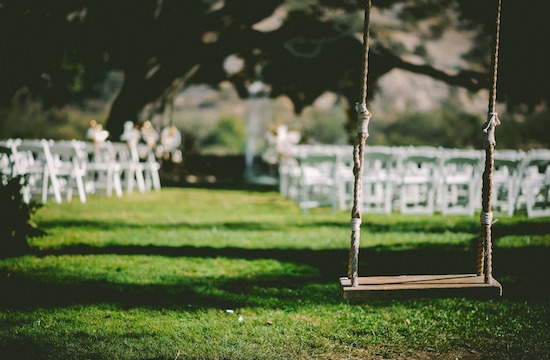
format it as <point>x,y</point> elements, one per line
<point>150,276</point>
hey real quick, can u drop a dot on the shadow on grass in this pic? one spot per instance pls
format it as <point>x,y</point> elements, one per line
<point>521,271</point>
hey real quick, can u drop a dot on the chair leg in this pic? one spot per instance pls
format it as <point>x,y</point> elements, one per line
<point>81,190</point>
<point>56,188</point>
<point>156,178</point>
<point>117,183</point>
<point>45,185</point>
<point>430,199</point>
<point>130,178</point>
<point>511,200</point>
<point>140,179</point>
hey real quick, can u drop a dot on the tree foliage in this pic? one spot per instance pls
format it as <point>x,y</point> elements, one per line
<point>61,50</point>
<point>15,224</point>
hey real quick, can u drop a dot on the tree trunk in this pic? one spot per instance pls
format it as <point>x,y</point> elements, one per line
<point>138,90</point>
<point>126,107</point>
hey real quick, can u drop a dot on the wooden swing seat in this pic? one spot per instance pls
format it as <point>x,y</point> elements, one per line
<point>420,286</point>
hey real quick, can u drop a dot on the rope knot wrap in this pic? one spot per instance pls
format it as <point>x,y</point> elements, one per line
<point>355,224</point>
<point>489,129</point>
<point>363,118</point>
<point>486,218</point>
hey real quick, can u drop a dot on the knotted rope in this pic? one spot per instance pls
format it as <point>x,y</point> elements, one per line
<point>363,118</point>
<point>485,247</point>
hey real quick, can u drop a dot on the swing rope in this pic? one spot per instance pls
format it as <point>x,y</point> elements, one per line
<point>363,118</point>
<point>484,254</point>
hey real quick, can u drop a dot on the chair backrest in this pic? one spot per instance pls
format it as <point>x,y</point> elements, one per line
<point>509,165</point>
<point>537,164</point>
<point>379,153</point>
<point>539,157</point>
<point>461,162</point>
<point>102,153</point>
<point>420,161</point>
<point>68,157</point>
<point>33,154</point>
<point>68,151</point>
<point>121,152</point>
<point>317,165</point>
<point>380,161</point>
<point>510,159</point>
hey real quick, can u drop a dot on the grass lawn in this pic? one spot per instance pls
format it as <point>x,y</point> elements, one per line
<point>227,274</point>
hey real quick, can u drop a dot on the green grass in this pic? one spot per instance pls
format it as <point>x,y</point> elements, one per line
<point>153,276</point>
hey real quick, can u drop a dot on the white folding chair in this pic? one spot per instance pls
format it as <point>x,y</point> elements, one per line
<point>535,182</point>
<point>34,159</point>
<point>379,178</point>
<point>131,167</point>
<point>344,175</point>
<point>460,181</point>
<point>418,179</point>
<point>103,171</point>
<point>288,171</point>
<point>14,163</point>
<point>317,181</point>
<point>150,165</point>
<point>506,180</point>
<point>69,167</point>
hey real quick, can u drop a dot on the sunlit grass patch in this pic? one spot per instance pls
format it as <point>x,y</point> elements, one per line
<point>148,269</point>
<point>194,273</point>
<point>517,241</point>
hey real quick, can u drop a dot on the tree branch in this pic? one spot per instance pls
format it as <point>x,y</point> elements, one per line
<point>471,80</point>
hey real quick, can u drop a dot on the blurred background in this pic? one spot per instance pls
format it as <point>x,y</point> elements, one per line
<point>230,74</point>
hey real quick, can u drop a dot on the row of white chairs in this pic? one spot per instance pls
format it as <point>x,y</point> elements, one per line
<point>416,179</point>
<point>59,169</point>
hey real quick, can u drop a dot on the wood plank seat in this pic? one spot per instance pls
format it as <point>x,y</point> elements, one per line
<point>419,286</point>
